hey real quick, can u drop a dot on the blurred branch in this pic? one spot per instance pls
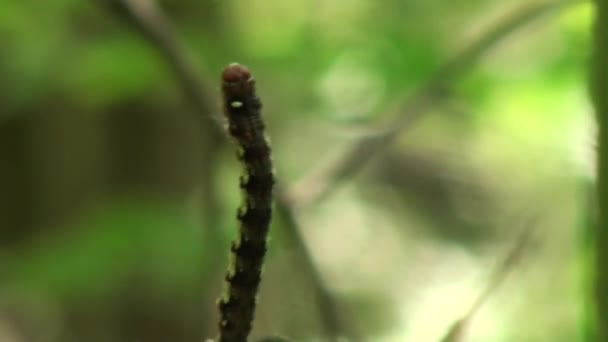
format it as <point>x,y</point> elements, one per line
<point>328,308</point>
<point>599,94</point>
<point>512,258</point>
<point>149,19</point>
<point>321,183</point>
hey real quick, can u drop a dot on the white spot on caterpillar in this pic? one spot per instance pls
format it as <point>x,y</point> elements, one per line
<point>236,104</point>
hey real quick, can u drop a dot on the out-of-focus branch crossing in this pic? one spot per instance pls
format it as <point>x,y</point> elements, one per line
<point>429,95</point>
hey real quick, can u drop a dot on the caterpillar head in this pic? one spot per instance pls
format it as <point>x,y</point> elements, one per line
<point>235,73</point>
<point>238,87</point>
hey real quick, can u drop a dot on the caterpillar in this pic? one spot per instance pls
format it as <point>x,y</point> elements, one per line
<point>242,109</point>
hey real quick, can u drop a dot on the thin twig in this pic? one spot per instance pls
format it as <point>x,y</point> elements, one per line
<point>318,186</point>
<point>328,308</point>
<point>505,266</point>
<point>146,18</point>
<point>149,19</point>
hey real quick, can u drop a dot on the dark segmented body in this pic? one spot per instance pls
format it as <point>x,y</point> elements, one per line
<point>242,109</point>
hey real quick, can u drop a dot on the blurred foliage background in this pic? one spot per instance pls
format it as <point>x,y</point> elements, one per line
<point>117,200</point>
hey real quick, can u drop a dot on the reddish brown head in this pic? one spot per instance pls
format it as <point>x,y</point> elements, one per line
<point>238,86</point>
<point>235,73</point>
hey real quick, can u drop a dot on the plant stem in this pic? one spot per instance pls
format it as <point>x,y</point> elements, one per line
<point>498,276</point>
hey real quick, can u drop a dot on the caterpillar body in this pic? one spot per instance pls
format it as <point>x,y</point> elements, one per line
<point>242,109</point>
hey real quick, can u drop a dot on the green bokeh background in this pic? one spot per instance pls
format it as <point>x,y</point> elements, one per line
<point>115,222</point>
